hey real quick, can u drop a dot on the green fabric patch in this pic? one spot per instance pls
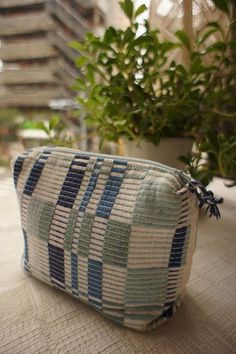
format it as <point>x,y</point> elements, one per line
<point>115,249</point>
<point>70,229</point>
<point>156,206</point>
<point>85,234</point>
<point>145,286</point>
<point>46,221</point>
<point>40,218</point>
<point>32,223</point>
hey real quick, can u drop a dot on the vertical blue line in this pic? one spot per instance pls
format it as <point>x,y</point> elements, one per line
<point>111,190</point>
<point>91,185</point>
<point>56,265</point>
<point>18,165</point>
<point>177,247</point>
<point>35,174</point>
<point>71,184</point>
<point>67,196</point>
<point>74,273</point>
<point>104,208</point>
<point>17,169</point>
<point>26,252</point>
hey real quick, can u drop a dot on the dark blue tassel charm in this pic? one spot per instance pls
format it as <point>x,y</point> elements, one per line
<point>206,197</point>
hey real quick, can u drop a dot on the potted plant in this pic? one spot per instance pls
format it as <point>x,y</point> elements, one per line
<point>131,90</point>
<point>215,154</point>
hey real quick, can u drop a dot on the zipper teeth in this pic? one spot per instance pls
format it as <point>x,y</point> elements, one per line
<point>180,175</point>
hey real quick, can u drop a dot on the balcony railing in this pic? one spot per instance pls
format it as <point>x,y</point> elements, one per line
<point>7,4</point>
<point>85,3</point>
<point>60,41</point>
<point>27,50</point>
<point>67,16</point>
<point>25,24</point>
<point>35,75</point>
<point>65,73</point>
<point>29,98</point>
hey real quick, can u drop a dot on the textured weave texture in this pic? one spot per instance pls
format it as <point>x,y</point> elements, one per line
<point>117,234</point>
<point>37,318</point>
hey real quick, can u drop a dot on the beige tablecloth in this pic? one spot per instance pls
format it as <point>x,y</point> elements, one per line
<point>35,318</point>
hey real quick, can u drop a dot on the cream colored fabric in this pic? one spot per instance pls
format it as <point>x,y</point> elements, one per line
<point>35,318</point>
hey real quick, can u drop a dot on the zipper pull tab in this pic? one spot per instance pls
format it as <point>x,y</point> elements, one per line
<point>206,197</point>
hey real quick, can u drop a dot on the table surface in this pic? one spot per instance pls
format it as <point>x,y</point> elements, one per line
<point>35,318</point>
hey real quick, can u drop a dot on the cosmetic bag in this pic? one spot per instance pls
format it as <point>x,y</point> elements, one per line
<point>117,233</point>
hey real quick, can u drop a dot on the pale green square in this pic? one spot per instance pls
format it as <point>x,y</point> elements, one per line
<point>156,206</point>
<point>115,251</point>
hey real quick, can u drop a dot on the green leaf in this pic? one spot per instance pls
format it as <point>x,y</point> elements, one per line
<point>233,44</point>
<point>208,34</point>
<point>90,36</point>
<point>204,147</point>
<point>90,73</point>
<point>54,122</point>
<point>181,69</point>
<point>143,40</point>
<point>222,5</point>
<point>42,126</point>
<point>185,159</point>
<point>214,24</point>
<point>128,8</point>
<point>142,8</point>
<point>233,25</point>
<point>77,46</point>
<point>196,66</point>
<point>80,61</point>
<point>217,47</point>
<point>184,39</point>
<point>79,84</point>
<point>29,124</point>
<point>98,44</point>
<point>128,35</point>
<point>109,35</point>
<point>167,46</point>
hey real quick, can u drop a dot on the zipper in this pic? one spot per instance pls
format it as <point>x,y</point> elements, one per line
<point>117,157</point>
<point>204,196</point>
<point>179,174</point>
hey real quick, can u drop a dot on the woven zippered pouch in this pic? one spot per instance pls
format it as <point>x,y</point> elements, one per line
<point>118,234</point>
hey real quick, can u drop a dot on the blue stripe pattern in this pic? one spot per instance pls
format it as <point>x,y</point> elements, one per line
<point>17,168</point>
<point>106,203</point>
<point>177,247</point>
<point>111,190</point>
<point>56,265</point>
<point>94,279</point>
<point>72,183</point>
<point>91,186</point>
<point>26,252</point>
<point>35,174</point>
<point>74,273</point>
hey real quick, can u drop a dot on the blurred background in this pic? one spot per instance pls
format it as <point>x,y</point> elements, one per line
<point>38,68</point>
<point>153,79</point>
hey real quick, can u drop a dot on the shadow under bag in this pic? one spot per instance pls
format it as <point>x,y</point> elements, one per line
<point>118,234</point>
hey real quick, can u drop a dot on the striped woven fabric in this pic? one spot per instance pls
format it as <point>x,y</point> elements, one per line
<point>118,234</point>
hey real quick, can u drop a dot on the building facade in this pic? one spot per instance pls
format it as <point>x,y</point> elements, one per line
<point>37,66</point>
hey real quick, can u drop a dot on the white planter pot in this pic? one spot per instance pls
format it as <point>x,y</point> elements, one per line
<point>167,152</point>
